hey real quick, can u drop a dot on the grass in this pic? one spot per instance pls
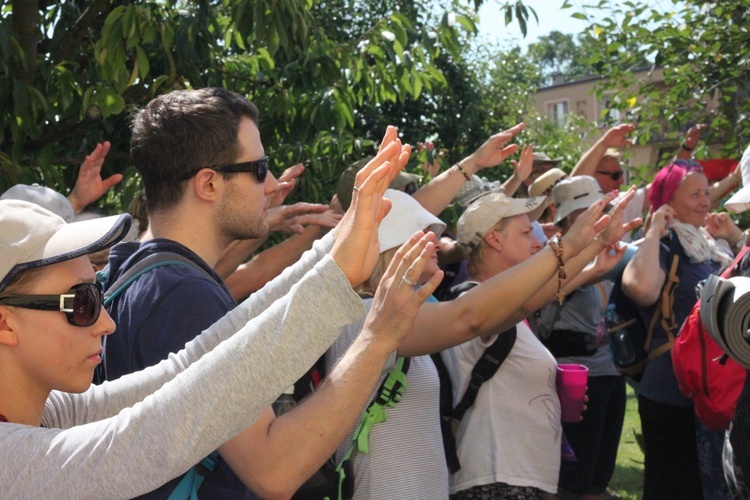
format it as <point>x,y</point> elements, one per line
<point>627,480</point>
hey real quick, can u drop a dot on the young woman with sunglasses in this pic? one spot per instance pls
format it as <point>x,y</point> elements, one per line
<point>64,438</point>
<point>679,196</point>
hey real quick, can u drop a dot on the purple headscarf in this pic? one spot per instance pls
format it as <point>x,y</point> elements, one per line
<point>668,179</point>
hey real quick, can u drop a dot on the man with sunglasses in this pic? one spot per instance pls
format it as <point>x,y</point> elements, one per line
<point>206,180</point>
<point>603,162</point>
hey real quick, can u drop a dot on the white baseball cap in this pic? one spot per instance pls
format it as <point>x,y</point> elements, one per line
<point>44,197</point>
<point>574,193</point>
<point>406,217</point>
<point>485,212</point>
<point>32,237</point>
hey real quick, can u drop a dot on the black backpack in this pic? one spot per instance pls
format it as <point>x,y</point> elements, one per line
<point>629,337</point>
<point>484,369</point>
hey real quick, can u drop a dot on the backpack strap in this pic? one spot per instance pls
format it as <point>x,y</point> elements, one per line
<point>664,311</point>
<point>484,369</point>
<point>187,489</point>
<point>389,393</point>
<point>158,259</point>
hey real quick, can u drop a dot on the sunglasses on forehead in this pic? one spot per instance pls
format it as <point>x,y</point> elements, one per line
<point>81,304</point>
<point>257,167</point>
<point>615,176</point>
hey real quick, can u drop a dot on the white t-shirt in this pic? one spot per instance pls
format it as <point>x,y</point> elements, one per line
<point>406,457</point>
<point>512,433</point>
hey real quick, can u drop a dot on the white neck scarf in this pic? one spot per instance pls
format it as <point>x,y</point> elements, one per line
<point>699,245</point>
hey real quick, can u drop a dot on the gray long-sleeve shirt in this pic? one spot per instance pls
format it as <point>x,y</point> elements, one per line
<point>127,437</point>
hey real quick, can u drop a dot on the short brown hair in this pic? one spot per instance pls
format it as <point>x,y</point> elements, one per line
<point>181,131</point>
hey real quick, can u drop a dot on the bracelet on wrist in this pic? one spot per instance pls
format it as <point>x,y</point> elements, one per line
<point>684,146</point>
<point>463,172</point>
<point>556,245</point>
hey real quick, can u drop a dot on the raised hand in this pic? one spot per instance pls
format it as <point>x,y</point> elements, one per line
<point>615,229</point>
<point>294,218</point>
<point>89,185</point>
<point>397,303</point>
<point>493,152</point>
<point>616,137</point>
<point>356,247</point>
<point>287,181</point>
<point>587,226</point>
<point>720,225</point>
<point>694,135</point>
<point>522,167</point>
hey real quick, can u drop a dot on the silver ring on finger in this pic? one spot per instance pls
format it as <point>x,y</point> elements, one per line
<point>407,281</point>
<point>355,188</point>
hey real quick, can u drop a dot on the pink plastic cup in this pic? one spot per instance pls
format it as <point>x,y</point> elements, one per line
<point>571,388</point>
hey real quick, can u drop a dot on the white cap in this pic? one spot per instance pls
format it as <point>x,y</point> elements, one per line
<point>740,201</point>
<point>406,217</point>
<point>31,237</point>
<point>482,215</point>
<point>43,196</point>
<point>574,193</point>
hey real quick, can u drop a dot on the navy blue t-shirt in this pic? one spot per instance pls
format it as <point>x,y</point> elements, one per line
<point>158,314</point>
<point>659,382</point>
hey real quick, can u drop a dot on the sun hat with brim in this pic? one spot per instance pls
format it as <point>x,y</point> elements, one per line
<point>346,181</point>
<point>485,212</point>
<point>740,201</point>
<point>574,193</point>
<point>547,180</point>
<point>406,217</point>
<point>44,197</point>
<point>544,158</point>
<point>32,237</point>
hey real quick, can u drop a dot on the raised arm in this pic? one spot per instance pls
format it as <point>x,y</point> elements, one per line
<point>440,191</point>
<point>615,137</point>
<point>643,277</point>
<point>496,303</point>
<point>288,449</point>
<point>89,185</point>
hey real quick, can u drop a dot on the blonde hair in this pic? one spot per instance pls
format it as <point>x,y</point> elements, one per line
<point>476,257</point>
<point>371,284</point>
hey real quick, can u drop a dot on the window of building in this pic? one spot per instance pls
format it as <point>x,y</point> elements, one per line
<point>558,112</point>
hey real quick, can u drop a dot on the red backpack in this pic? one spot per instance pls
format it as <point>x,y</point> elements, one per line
<point>705,373</point>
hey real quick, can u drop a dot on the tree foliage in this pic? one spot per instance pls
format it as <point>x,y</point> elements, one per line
<point>326,74</point>
<point>704,49</point>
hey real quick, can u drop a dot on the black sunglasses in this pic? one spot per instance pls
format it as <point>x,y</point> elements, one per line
<point>81,304</point>
<point>257,167</point>
<point>615,176</point>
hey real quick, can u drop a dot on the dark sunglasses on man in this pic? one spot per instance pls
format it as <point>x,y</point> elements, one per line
<point>615,176</point>
<point>82,304</point>
<point>258,167</point>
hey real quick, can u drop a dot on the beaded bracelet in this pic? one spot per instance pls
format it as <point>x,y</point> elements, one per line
<point>557,248</point>
<point>463,172</point>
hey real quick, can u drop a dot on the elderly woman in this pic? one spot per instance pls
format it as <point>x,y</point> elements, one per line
<point>680,202</point>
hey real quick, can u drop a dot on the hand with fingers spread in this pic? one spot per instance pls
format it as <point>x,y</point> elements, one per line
<point>294,218</point>
<point>397,302</point>
<point>616,137</point>
<point>89,185</point>
<point>356,245</point>
<point>616,229</point>
<point>587,226</point>
<point>493,152</point>
<point>522,167</point>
